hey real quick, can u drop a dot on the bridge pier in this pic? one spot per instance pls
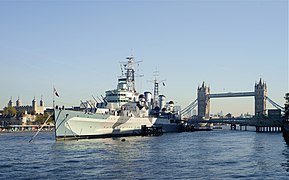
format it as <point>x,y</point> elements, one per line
<point>268,129</point>
<point>233,126</point>
<point>241,127</point>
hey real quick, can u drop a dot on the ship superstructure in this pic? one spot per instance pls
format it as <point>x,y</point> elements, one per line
<point>125,91</point>
<point>123,112</point>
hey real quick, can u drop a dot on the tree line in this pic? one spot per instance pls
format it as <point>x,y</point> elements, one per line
<point>11,112</point>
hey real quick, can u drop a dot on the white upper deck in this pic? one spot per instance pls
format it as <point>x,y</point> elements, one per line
<point>125,91</point>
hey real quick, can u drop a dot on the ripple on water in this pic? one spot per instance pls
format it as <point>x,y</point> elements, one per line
<point>221,154</point>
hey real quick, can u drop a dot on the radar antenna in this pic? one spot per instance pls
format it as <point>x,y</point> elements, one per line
<point>128,72</point>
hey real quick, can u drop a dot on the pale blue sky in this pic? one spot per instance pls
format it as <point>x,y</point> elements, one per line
<point>77,46</point>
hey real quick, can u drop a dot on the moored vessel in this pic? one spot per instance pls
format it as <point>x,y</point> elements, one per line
<point>122,112</point>
<point>286,119</point>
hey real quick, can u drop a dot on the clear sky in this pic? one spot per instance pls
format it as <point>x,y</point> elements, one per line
<point>77,46</point>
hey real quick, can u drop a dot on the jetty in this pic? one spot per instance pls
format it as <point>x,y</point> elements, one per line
<point>21,128</point>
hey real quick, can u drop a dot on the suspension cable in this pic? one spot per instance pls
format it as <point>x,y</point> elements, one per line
<point>189,106</point>
<point>274,103</point>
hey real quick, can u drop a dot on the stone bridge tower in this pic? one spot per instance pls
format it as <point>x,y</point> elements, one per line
<point>260,97</point>
<point>204,101</point>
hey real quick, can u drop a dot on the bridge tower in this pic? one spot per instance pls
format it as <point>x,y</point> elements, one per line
<point>204,101</point>
<point>260,97</point>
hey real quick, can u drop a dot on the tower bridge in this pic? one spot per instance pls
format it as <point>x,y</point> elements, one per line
<point>204,96</point>
<point>272,122</point>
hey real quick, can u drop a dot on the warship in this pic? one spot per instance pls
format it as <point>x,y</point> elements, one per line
<point>122,112</point>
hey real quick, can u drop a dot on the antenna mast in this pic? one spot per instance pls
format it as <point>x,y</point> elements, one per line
<point>156,88</point>
<point>129,73</point>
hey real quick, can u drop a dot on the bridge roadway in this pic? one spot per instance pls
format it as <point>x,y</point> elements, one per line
<point>230,94</point>
<point>255,121</point>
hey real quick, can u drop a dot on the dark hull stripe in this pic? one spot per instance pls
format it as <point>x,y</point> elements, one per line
<point>95,136</point>
<point>61,138</point>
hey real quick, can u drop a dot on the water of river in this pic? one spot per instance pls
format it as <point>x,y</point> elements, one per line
<point>218,154</point>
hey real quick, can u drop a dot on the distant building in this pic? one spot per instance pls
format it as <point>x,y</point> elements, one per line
<point>229,116</point>
<point>10,103</point>
<point>28,118</point>
<point>33,108</point>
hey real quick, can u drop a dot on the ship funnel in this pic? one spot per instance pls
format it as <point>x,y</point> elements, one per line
<point>148,98</point>
<point>162,100</point>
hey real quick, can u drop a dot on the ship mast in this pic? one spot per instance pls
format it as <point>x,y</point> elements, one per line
<point>156,88</point>
<point>130,74</point>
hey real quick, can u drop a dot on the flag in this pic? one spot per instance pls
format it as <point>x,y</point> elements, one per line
<point>56,93</point>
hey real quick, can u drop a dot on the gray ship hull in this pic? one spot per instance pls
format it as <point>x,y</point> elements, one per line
<point>78,125</point>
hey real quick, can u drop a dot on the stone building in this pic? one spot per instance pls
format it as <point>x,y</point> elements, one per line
<point>33,108</point>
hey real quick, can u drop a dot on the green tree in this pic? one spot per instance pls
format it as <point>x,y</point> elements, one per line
<point>40,118</point>
<point>32,112</point>
<point>20,113</point>
<point>9,111</point>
